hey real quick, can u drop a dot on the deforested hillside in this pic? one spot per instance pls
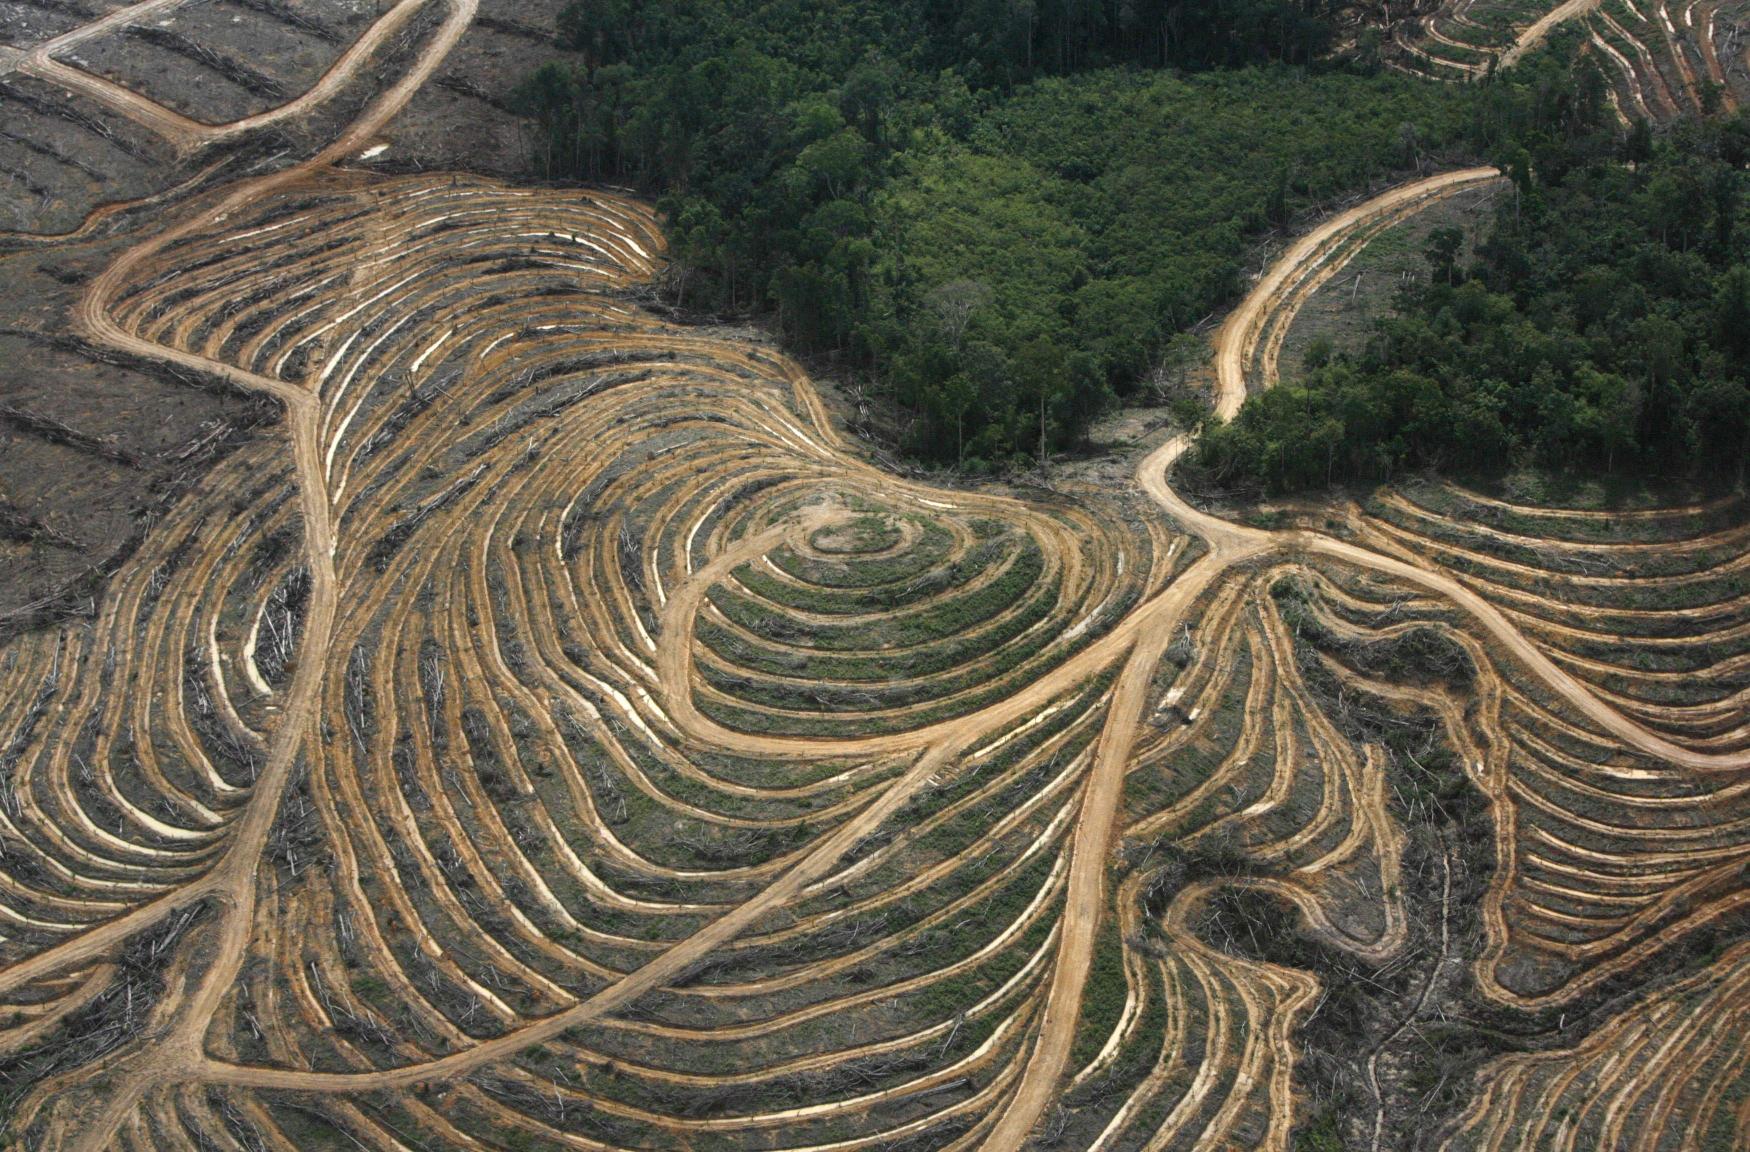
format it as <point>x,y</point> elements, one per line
<point>468,686</point>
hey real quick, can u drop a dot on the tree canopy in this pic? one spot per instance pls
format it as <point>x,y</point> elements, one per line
<point>999,214</point>
<point>1604,323</point>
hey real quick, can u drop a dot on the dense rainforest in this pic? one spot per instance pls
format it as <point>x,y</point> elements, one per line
<point>1602,322</point>
<point>1000,215</point>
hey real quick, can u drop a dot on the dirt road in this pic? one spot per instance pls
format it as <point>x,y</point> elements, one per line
<point>233,882</point>
<point>178,1056</point>
<point>1138,642</point>
<point>42,61</point>
<point>1544,25</point>
<point>1318,252</point>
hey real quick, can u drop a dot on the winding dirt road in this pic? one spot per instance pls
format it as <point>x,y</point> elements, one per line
<point>42,61</point>
<point>1315,257</point>
<point>1273,300</point>
<point>1134,644</point>
<point>233,881</point>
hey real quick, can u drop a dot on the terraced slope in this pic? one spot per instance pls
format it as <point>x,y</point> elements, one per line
<point>1662,60</point>
<point>1667,1075</point>
<point>560,738</point>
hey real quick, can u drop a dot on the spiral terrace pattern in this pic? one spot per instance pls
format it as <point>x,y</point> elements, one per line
<point>561,740</point>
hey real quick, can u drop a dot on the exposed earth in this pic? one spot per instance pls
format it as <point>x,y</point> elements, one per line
<point>447,705</point>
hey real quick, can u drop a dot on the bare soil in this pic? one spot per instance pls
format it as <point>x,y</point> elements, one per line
<point>552,730</point>
<point>135,436</point>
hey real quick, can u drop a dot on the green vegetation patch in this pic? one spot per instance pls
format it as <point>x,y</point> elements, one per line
<point>1603,325</point>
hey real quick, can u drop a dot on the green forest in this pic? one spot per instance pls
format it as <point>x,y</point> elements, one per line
<point>997,217</point>
<point>1603,324</point>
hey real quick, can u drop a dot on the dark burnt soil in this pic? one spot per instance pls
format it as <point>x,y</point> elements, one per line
<point>88,449</point>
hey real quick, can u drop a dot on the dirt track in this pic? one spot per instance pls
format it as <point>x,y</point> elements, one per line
<point>1542,26</point>
<point>233,881</point>
<point>1649,57</point>
<point>607,578</point>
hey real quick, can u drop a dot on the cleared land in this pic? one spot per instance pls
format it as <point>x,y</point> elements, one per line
<point>556,736</point>
<point>1662,60</point>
